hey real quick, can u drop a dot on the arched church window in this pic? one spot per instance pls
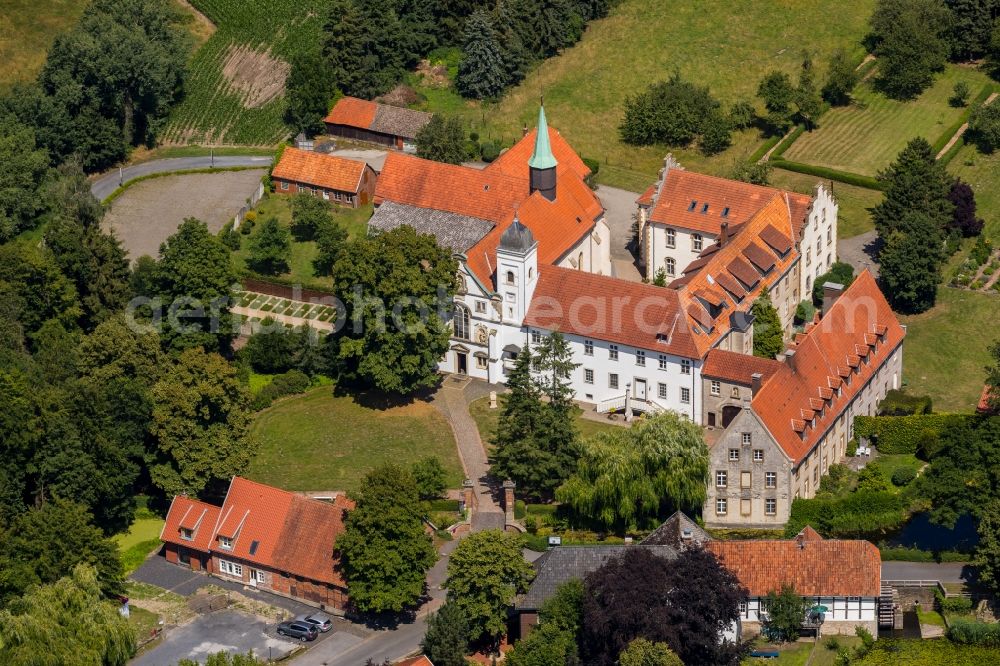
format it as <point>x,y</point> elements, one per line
<point>463,329</point>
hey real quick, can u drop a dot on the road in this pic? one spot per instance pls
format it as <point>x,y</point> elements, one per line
<point>104,185</point>
<point>946,572</point>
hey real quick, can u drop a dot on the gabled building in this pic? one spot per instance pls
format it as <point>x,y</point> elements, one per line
<point>798,415</point>
<point>338,180</point>
<point>264,537</point>
<point>371,122</point>
<point>685,212</point>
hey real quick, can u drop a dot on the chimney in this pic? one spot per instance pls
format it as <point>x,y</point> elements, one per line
<point>755,382</point>
<point>724,235</point>
<point>831,292</point>
<point>790,358</point>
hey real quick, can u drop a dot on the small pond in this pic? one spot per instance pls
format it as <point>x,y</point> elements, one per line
<point>921,533</point>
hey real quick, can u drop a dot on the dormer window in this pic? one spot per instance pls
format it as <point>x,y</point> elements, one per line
<point>225,542</point>
<point>187,534</point>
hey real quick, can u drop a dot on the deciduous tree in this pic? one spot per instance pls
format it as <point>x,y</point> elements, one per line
<point>910,38</point>
<point>385,552</point>
<point>309,215</point>
<point>964,218</point>
<point>429,474</point>
<point>839,273</point>
<point>686,603</point>
<point>25,169</point>
<point>270,248</point>
<point>673,112</point>
<point>786,611</point>
<point>642,652</point>
<point>984,127</point>
<point>442,140</point>
<point>628,477</point>
<point>777,93</point>
<point>987,558</point>
<point>200,426</point>
<point>272,349</point>
<point>331,237</point>
<point>69,622</point>
<point>485,571</point>
<point>393,285</point>
<point>841,77</point>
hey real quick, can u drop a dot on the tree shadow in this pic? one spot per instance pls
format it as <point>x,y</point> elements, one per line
<point>380,400</point>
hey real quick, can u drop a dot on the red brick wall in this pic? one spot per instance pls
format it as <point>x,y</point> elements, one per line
<point>347,199</point>
<point>281,583</point>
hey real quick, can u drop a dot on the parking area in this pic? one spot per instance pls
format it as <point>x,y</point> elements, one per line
<point>619,212</point>
<point>223,630</point>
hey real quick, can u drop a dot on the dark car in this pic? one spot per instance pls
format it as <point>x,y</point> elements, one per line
<point>297,629</point>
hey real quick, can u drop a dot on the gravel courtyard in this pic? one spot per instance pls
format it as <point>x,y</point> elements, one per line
<point>149,212</point>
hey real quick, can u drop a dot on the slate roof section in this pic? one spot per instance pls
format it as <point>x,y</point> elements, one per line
<point>565,563</point>
<point>382,118</point>
<point>679,532</point>
<point>326,171</point>
<point>815,567</point>
<point>581,303</point>
<point>859,317</point>
<point>737,368</point>
<point>454,231</point>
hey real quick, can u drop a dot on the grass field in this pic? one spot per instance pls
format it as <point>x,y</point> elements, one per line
<point>26,31</point>
<point>322,441</point>
<point>983,173</point>
<point>486,421</point>
<point>853,218</point>
<point>235,85</point>
<point>642,42</point>
<point>945,349</point>
<point>355,220</point>
<point>866,136</point>
<point>804,652</point>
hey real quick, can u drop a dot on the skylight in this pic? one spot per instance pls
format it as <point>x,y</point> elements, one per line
<point>725,212</point>
<point>253,546</point>
<point>704,209</point>
<point>694,204</point>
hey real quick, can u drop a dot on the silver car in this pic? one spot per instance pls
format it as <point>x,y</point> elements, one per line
<point>321,621</point>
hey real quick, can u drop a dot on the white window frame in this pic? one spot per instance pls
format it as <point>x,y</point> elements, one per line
<point>536,337</point>
<point>758,455</point>
<point>716,387</point>
<point>588,347</point>
<point>588,376</point>
<point>640,357</point>
<point>770,506</point>
<point>671,238</point>
<point>770,479</point>
<point>685,395</point>
<point>685,366</point>
<point>481,363</point>
<point>284,184</point>
<point>734,455</point>
<point>697,242</point>
<point>230,568</point>
<point>225,542</point>
<point>721,506</point>
<point>721,478</point>
<point>747,438</point>
<point>612,352</point>
<point>662,359</point>
<point>661,391</point>
<point>613,380</point>
<point>186,534</point>
<point>670,266</point>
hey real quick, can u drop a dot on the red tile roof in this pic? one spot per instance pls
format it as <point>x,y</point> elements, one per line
<point>326,171</point>
<point>607,308</point>
<point>416,661</point>
<point>984,401</point>
<point>673,206</point>
<point>727,266</point>
<point>815,567</point>
<point>267,525</point>
<point>352,112</point>
<point>192,514</point>
<point>495,193</point>
<point>821,357</point>
<point>737,368</point>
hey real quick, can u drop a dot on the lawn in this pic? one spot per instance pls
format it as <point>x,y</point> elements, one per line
<point>140,540</point>
<point>854,201</point>
<point>324,442</point>
<point>890,463</point>
<point>916,652</point>
<point>486,420</point>
<point>802,652</point>
<point>945,349</point>
<point>27,29</point>
<point>643,41</point>
<point>982,172</point>
<point>355,220</point>
<point>235,86</point>
<point>866,136</point>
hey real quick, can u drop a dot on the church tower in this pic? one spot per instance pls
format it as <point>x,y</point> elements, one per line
<point>517,270</point>
<point>542,165</point>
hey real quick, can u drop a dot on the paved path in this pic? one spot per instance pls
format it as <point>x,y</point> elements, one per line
<point>859,251</point>
<point>946,572</point>
<point>962,129</point>
<point>107,183</point>
<point>619,212</point>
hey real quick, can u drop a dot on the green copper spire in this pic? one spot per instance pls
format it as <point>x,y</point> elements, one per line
<point>542,158</point>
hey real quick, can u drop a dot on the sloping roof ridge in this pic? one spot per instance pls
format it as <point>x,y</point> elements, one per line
<point>741,183</point>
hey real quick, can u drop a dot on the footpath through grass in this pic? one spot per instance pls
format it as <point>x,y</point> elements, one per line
<point>727,45</point>
<point>321,441</point>
<point>866,136</point>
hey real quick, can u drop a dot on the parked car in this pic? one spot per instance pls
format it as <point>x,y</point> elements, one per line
<point>298,629</point>
<point>321,621</point>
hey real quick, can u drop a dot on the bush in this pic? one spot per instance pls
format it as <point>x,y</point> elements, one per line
<point>672,112</point>
<point>959,94</point>
<point>430,477</point>
<point>852,448</point>
<point>955,605</point>
<point>229,236</point>
<point>489,151</point>
<point>966,632</point>
<point>519,510</point>
<point>902,434</point>
<point>903,476</point>
<point>858,514</point>
<point>984,127</point>
<point>289,383</point>
<point>742,114</point>
<point>905,554</point>
<point>805,311</point>
<point>898,403</point>
<point>444,505</point>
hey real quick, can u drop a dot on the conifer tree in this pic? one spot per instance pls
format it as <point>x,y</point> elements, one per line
<point>914,182</point>
<point>270,248</point>
<point>442,140</point>
<point>910,263</point>
<point>343,45</point>
<point>482,73</point>
<point>447,638</point>
<point>768,337</point>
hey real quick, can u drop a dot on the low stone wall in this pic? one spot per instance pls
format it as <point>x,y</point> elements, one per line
<point>829,628</point>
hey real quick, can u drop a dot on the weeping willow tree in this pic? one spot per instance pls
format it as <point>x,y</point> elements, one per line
<point>69,622</point>
<point>627,477</point>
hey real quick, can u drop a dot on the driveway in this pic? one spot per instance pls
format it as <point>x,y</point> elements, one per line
<point>859,251</point>
<point>104,185</point>
<point>619,209</point>
<point>224,630</point>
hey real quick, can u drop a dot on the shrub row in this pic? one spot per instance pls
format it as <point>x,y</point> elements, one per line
<point>967,632</point>
<point>846,177</point>
<point>858,514</point>
<point>903,434</point>
<point>902,554</point>
<point>444,505</point>
<point>289,383</point>
<point>762,150</point>
<point>956,605</point>
<point>900,403</point>
<point>789,139</point>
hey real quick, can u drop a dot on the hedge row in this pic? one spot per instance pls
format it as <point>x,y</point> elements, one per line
<point>966,632</point>
<point>946,159</point>
<point>859,514</point>
<point>789,139</point>
<point>945,137</point>
<point>900,403</point>
<point>846,177</point>
<point>902,434</point>
<point>444,505</point>
<point>762,150</point>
